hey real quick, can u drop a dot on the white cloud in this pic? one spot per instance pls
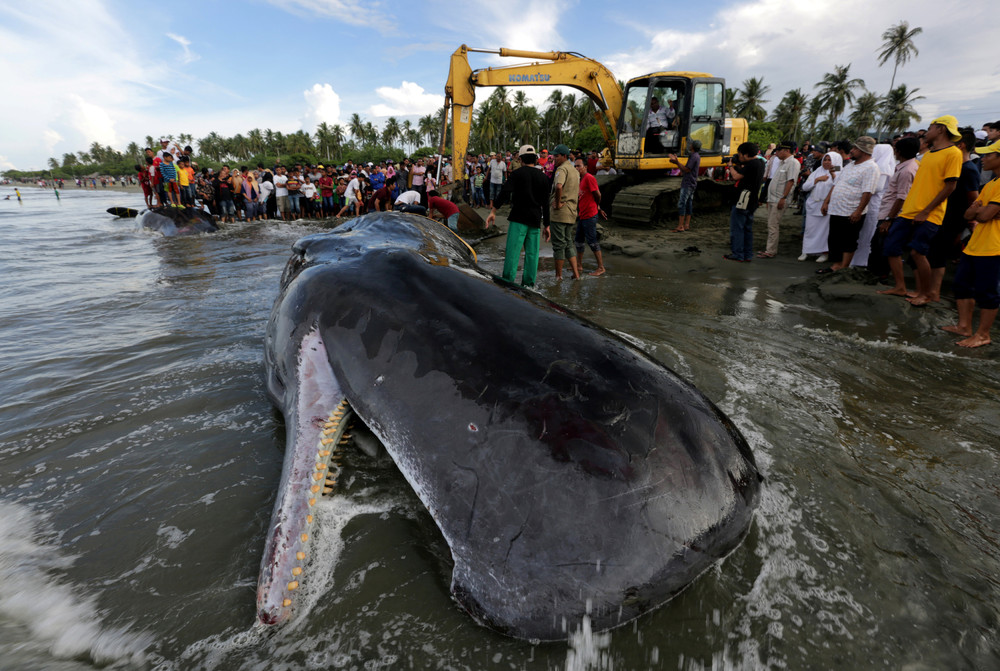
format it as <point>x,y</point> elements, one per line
<point>793,44</point>
<point>189,56</point>
<point>92,121</point>
<point>5,164</point>
<point>353,12</point>
<point>322,104</point>
<point>516,24</point>
<point>407,99</point>
<point>52,138</point>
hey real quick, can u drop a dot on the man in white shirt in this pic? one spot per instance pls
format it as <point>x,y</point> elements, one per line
<point>847,203</point>
<point>351,194</point>
<point>497,170</point>
<point>409,201</point>
<point>784,174</point>
<point>281,192</point>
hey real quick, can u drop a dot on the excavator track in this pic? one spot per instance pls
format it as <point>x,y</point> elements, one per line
<point>653,202</point>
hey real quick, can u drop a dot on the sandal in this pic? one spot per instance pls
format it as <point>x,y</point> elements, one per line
<point>765,255</point>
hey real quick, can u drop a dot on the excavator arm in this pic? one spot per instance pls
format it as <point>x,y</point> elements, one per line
<point>561,69</point>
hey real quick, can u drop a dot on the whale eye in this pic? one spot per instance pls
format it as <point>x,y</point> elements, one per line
<point>473,427</point>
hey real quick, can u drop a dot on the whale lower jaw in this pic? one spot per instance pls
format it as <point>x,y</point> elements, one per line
<point>317,418</point>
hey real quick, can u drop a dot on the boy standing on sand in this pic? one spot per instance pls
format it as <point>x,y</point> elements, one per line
<point>978,274</point>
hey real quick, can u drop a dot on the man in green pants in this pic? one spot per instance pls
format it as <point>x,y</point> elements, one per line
<point>527,189</point>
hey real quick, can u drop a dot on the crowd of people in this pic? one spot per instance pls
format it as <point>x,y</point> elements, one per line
<point>929,198</point>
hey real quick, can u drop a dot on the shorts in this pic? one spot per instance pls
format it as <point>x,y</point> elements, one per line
<point>586,230</point>
<point>562,240</point>
<point>452,222</point>
<point>843,236</point>
<point>906,234</point>
<point>283,204</point>
<point>227,208</point>
<point>977,277</point>
<point>944,244</point>
<point>685,202</point>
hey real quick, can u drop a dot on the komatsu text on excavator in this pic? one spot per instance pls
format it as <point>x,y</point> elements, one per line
<point>657,114</point>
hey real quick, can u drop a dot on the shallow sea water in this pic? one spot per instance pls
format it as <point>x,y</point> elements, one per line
<point>139,459</point>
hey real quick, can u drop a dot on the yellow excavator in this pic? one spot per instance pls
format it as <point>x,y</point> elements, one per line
<point>657,114</point>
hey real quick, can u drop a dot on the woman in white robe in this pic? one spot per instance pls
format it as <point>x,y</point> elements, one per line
<point>886,162</point>
<point>818,185</point>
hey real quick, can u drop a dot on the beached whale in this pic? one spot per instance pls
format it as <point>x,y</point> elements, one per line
<point>171,221</point>
<point>570,474</point>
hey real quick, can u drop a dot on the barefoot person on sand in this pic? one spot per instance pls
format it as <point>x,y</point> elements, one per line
<point>586,223</point>
<point>924,208</point>
<point>978,274</point>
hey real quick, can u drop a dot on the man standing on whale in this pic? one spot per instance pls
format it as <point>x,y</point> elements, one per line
<point>527,189</point>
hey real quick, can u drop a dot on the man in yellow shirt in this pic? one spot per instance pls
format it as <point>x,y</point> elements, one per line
<point>978,274</point>
<point>924,208</point>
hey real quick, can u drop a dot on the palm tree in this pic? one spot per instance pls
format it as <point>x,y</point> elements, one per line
<point>899,46</point>
<point>357,127</point>
<point>751,99</point>
<point>814,110</point>
<point>731,97</point>
<point>425,127</point>
<point>865,113</point>
<point>899,112</point>
<point>836,90</point>
<point>324,139</point>
<point>391,132</point>
<point>69,160</point>
<point>404,133</point>
<point>788,113</point>
<point>150,142</point>
<point>133,151</point>
<point>53,164</point>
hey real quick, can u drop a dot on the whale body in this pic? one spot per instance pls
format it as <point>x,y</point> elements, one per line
<point>572,476</point>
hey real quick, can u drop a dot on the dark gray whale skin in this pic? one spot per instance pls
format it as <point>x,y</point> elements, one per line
<point>571,475</point>
<point>171,221</point>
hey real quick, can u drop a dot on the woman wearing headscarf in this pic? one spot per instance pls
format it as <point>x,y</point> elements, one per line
<point>883,157</point>
<point>818,185</point>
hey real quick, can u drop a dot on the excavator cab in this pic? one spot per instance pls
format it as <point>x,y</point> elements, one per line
<point>664,112</point>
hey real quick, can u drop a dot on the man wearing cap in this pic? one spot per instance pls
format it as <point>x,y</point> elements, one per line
<point>847,203</point>
<point>924,208</point>
<point>978,274</point>
<point>783,177</point>
<point>527,189</point>
<point>565,198</point>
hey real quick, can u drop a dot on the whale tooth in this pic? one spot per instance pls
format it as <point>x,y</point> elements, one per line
<point>314,489</point>
<point>297,570</point>
<point>304,537</point>
<point>293,585</point>
<point>327,490</point>
<point>317,476</point>
<point>300,555</point>
<point>320,467</point>
<point>309,519</point>
<point>286,603</point>
<point>324,453</point>
<point>312,502</point>
<point>326,441</point>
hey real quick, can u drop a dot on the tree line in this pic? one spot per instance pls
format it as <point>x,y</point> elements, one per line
<point>799,116</point>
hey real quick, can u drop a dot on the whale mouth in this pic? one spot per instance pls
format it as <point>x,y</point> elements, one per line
<point>321,424</point>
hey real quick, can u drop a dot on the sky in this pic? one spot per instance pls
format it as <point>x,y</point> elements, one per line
<point>111,71</point>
